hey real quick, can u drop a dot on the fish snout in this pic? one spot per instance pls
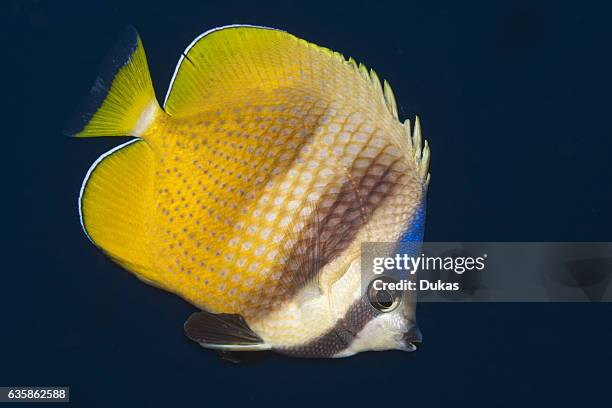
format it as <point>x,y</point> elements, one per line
<point>412,337</point>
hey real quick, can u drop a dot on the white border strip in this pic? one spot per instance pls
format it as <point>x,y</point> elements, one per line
<point>198,38</point>
<point>91,169</point>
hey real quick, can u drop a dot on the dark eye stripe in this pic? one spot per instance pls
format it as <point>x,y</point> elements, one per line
<point>337,338</point>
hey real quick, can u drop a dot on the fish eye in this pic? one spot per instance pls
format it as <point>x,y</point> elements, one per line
<point>381,297</point>
<point>384,299</point>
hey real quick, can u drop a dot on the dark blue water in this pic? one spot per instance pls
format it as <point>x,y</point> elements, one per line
<point>515,100</point>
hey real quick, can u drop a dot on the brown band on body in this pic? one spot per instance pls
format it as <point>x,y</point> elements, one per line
<point>335,221</point>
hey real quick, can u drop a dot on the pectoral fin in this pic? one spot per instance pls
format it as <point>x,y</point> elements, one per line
<point>223,332</point>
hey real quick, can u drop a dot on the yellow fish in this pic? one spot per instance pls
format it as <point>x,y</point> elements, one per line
<point>250,192</point>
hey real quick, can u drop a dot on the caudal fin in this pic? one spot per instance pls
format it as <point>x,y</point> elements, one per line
<point>122,100</point>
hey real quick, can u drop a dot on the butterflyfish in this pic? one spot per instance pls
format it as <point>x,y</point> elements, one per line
<point>251,189</point>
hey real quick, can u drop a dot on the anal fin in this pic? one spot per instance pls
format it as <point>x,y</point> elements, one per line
<point>114,206</point>
<point>223,332</point>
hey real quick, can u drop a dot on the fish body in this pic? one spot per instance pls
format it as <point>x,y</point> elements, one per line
<point>250,193</point>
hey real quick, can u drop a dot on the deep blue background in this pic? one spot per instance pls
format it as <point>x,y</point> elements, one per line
<point>515,100</point>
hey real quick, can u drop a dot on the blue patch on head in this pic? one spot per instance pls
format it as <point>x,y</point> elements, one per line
<point>411,241</point>
<point>415,230</point>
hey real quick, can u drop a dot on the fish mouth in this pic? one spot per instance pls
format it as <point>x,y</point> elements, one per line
<point>412,337</point>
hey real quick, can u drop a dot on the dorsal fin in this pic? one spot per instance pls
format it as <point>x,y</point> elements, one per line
<point>231,61</point>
